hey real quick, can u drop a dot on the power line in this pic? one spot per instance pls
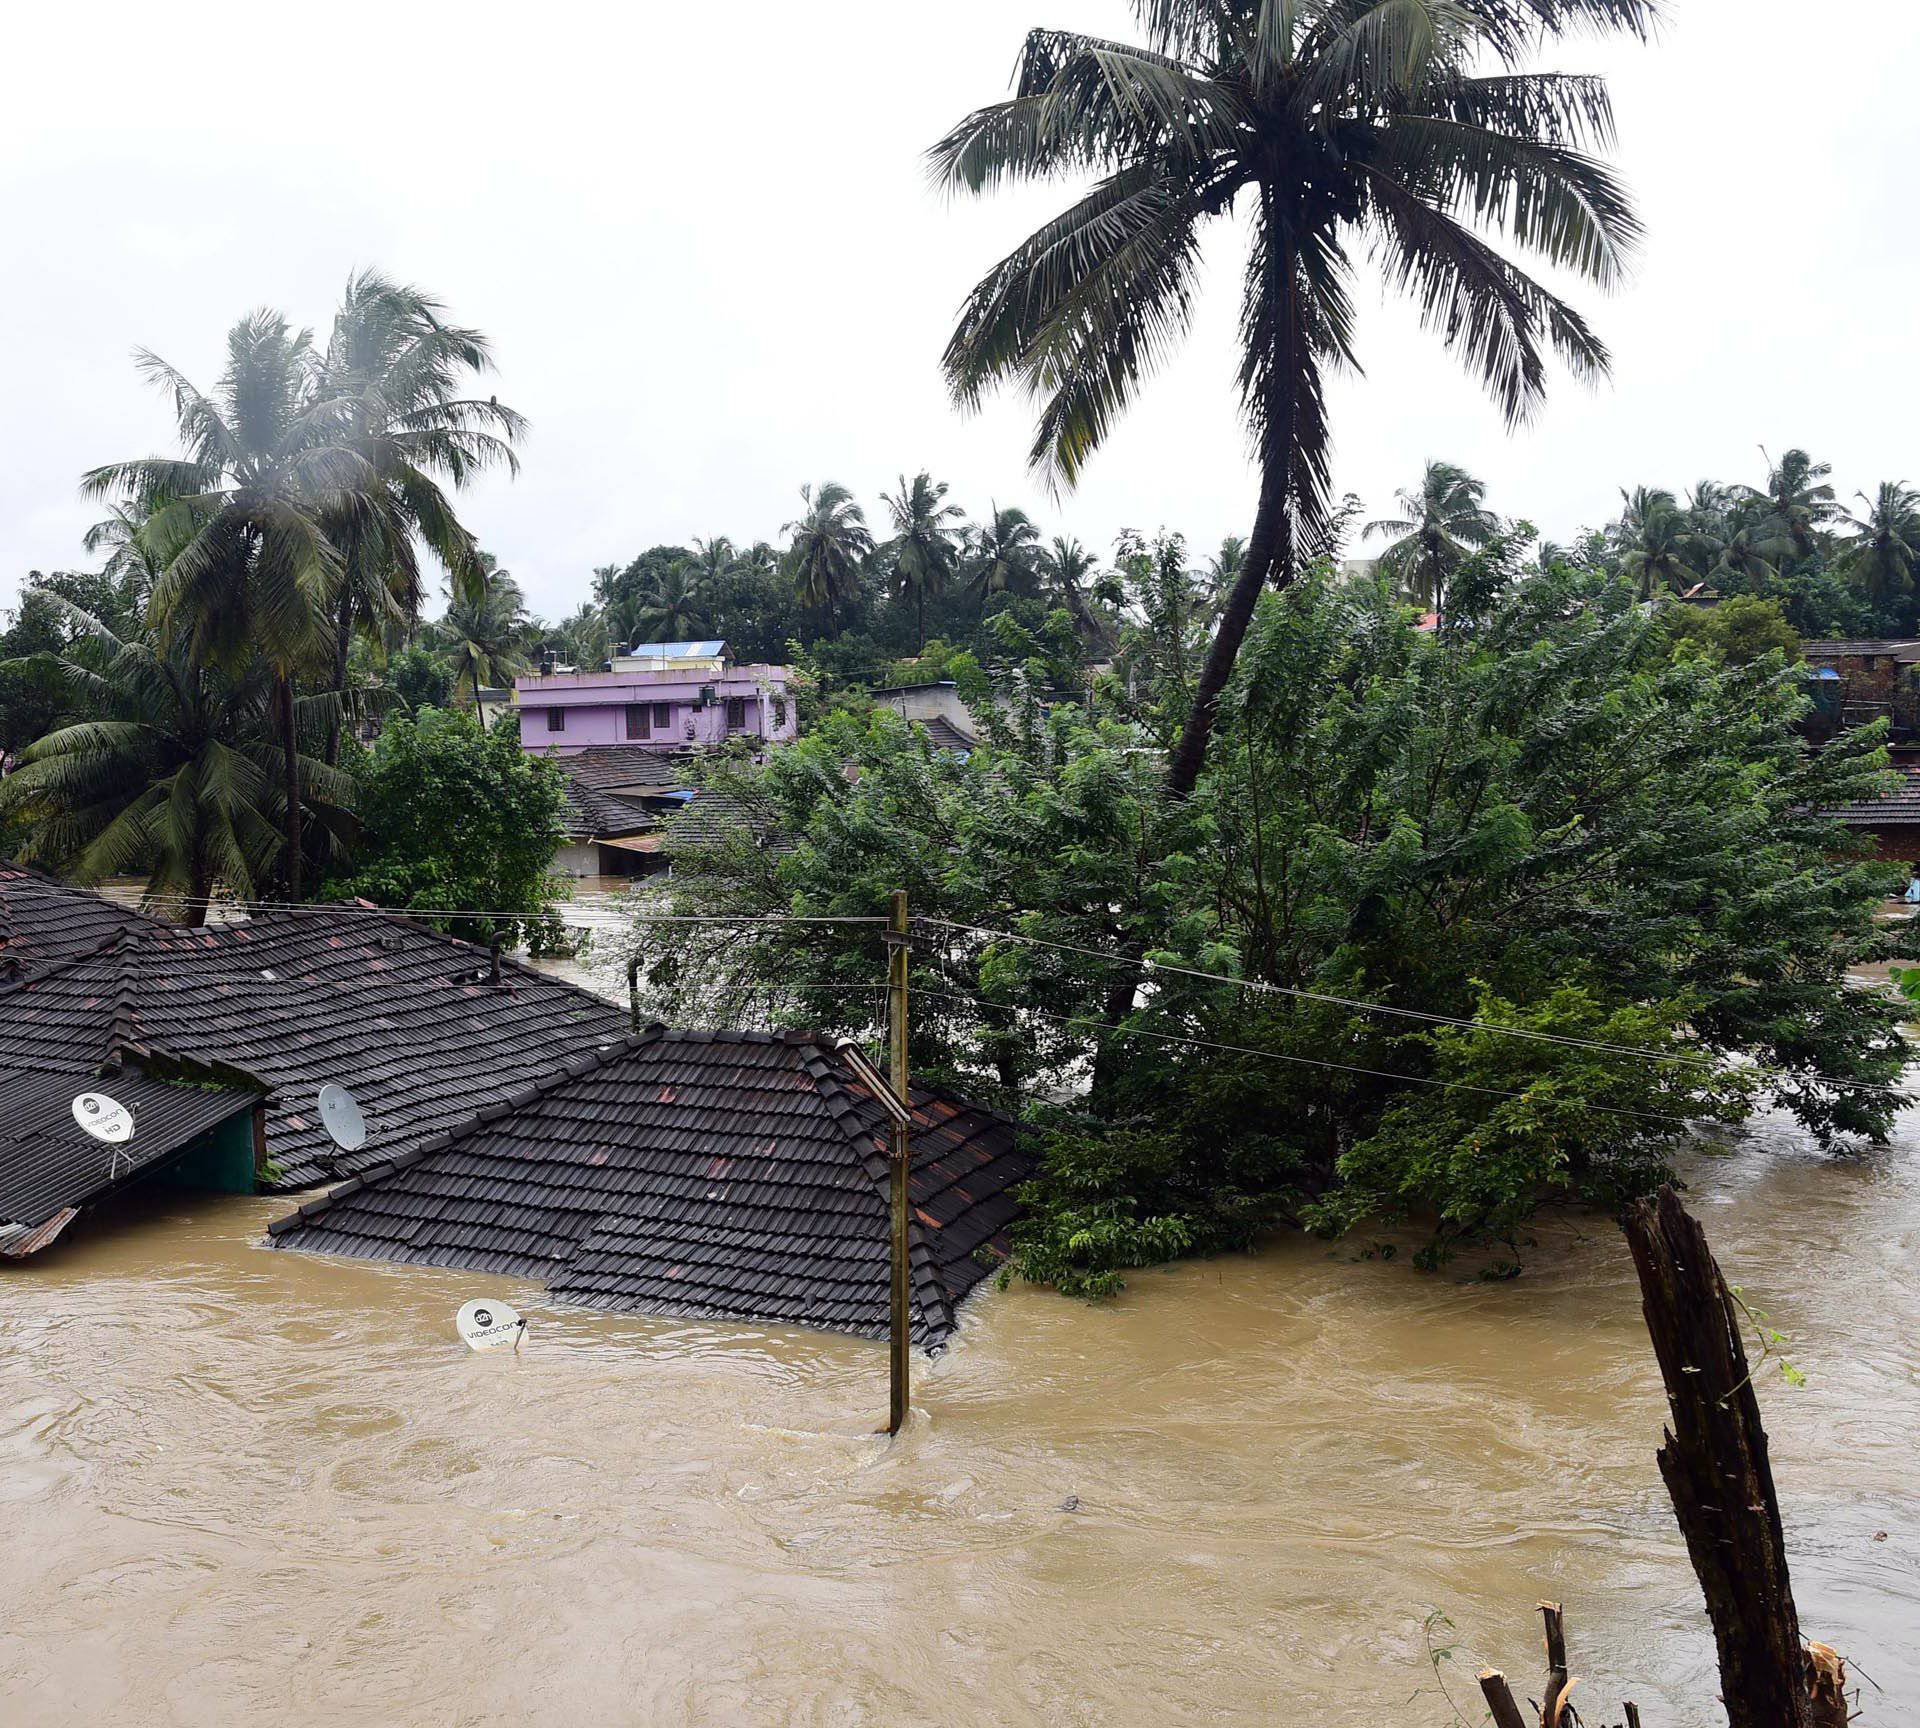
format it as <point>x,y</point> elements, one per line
<point>1358,1006</point>
<point>613,916</point>
<point>1298,1061</point>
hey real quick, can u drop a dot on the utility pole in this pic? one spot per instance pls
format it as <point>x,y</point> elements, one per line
<point>899,1335</point>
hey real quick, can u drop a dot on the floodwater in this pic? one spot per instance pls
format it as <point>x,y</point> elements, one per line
<point>243,1485</point>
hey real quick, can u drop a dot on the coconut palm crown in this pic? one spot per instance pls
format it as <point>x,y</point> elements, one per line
<point>1396,131</point>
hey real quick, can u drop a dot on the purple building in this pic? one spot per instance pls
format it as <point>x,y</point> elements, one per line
<point>661,696</point>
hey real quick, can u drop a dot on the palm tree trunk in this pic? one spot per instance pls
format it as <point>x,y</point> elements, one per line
<point>1269,550</point>
<point>920,613</point>
<point>199,891</point>
<point>342,641</point>
<point>290,749</point>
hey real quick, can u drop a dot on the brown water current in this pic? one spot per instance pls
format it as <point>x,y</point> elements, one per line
<point>242,1484</point>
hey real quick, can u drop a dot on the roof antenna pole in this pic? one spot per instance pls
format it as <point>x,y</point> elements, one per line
<point>899,1340</point>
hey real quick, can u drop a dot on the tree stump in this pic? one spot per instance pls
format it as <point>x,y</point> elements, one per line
<point>1714,1462</point>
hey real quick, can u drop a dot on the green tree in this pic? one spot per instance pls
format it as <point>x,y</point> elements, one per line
<point>674,608</point>
<point>1655,543</point>
<point>1397,129</point>
<point>397,375</point>
<point>1543,823</point>
<point>171,775</point>
<point>485,625</point>
<point>1881,560</point>
<point>239,524</point>
<point>924,551</point>
<point>1736,632</point>
<point>828,547</point>
<point>1004,557</point>
<point>1442,521</point>
<point>1799,503</point>
<point>1069,568</point>
<point>458,824</point>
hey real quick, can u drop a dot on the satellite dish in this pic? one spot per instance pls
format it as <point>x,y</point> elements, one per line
<point>104,1119</point>
<point>485,1325</point>
<point>340,1116</point>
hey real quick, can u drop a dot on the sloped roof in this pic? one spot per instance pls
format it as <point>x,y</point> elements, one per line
<point>1902,649</point>
<point>942,734</point>
<point>736,1175</point>
<point>50,1168</point>
<point>590,813</point>
<point>717,816</point>
<point>396,1012</point>
<point>630,768</point>
<point>1898,808</point>
<point>45,923</point>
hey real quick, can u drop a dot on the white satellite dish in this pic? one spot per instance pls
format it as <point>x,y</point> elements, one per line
<point>486,1325</point>
<point>340,1116</point>
<point>104,1119</point>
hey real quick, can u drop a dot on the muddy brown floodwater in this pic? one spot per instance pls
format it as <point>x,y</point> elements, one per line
<point>247,1486</point>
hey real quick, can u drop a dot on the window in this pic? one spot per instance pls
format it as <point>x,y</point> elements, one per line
<point>639,720</point>
<point>779,710</point>
<point>736,713</point>
<point>663,715</point>
<point>556,719</point>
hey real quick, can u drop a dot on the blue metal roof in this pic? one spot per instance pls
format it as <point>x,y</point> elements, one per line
<point>706,650</point>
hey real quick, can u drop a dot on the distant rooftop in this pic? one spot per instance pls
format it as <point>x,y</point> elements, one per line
<point>1904,649</point>
<point>710,648</point>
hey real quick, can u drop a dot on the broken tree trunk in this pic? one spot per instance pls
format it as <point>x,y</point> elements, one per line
<point>1714,1461</point>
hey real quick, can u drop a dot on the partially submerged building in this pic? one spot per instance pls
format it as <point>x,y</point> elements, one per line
<point>423,1028</point>
<point>732,1175</point>
<point>513,1123</point>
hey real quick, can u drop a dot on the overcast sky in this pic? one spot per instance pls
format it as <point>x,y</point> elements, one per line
<point>702,241</point>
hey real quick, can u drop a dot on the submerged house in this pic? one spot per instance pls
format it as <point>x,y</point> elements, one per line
<point>732,1175</point>
<point>513,1123</point>
<point>423,1028</point>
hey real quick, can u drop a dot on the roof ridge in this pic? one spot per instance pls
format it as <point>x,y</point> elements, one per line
<point>924,1269</point>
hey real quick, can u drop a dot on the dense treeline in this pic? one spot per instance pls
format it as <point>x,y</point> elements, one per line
<point>1572,845</point>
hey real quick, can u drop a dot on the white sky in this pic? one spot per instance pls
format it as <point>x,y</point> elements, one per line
<point>702,242</point>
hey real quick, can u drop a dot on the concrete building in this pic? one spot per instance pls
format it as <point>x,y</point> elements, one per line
<point>661,696</point>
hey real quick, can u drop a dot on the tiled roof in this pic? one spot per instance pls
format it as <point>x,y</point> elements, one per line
<point>591,813</point>
<point>717,816</point>
<point>722,1174</point>
<point>631,768</point>
<point>399,1014</point>
<point>49,1166</point>
<point>1899,807</point>
<point>45,923</point>
<point>942,734</point>
<point>1904,650</point>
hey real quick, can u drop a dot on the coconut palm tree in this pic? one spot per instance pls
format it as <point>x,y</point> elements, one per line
<point>713,559</point>
<point>1883,558</point>
<point>925,549</point>
<point>1798,500</point>
<point>397,373</point>
<point>1656,542</point>
<point>240,526</point>
<point>827,547</point>
<point>1396,129</point>
<point>1005,555</point>
<point>1069,567</point>
<point>173,775</point>
<point>674,609</point>
<point>1224,567</point>
<point>1442,522</point>
<point>1736,555</point>
<point>485,633</point>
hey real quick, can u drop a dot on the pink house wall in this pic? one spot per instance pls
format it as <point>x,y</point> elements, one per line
<point>595,705</point>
